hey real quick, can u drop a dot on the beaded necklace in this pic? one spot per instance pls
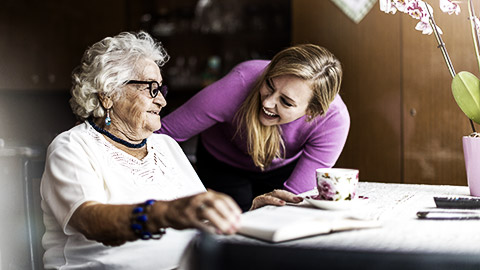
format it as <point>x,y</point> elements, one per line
<point>116,139</point>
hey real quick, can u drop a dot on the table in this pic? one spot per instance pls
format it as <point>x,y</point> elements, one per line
<point>420,244</point>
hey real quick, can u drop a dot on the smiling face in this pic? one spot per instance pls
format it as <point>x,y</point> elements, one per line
<point>283,100</point>
<point>136,115</point>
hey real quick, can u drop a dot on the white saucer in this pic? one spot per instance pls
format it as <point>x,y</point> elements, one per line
<point>334,205</point>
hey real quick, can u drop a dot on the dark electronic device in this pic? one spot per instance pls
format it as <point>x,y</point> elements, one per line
<point>457,202</point>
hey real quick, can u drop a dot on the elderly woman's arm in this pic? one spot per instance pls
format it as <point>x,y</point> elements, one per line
<point>110,224</point>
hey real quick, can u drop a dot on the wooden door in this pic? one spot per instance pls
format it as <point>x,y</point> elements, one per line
<point>405,124</point>
<point>433,123</point>
<point>370,53</point>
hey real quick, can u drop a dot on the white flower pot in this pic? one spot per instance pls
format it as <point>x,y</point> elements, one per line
<point>471,151</point>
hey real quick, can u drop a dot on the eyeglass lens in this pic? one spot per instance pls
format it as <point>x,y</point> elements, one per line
<point>155,87</point>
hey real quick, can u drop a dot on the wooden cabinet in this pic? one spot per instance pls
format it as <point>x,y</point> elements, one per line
<point>406,126</point>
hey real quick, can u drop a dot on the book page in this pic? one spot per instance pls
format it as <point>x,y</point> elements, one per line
<point>281,223</point>
<point>263,223</point>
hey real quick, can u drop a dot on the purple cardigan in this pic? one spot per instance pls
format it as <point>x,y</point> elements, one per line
<point>210,113</point>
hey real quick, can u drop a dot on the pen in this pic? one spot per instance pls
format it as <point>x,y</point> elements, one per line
<point>448,215</point>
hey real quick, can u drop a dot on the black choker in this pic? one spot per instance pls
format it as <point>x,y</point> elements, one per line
<point>113,137</point>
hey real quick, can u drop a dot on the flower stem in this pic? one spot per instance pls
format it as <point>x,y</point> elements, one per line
<point>442,47</point>
<point>473,24</point>
<point>471,124</point>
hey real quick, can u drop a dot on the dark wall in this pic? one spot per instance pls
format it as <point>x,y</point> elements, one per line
<point>42,41</point>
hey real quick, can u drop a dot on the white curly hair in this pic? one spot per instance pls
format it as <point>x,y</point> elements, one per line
<point>107,65</point>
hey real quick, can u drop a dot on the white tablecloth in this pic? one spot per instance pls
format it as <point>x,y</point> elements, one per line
<point>396,205</point>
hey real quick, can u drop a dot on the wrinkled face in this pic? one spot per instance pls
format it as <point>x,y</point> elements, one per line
<point>136,113</point>
<point>284,99</point>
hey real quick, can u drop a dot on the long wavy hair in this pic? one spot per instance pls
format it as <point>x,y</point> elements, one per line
<point>315,65</point>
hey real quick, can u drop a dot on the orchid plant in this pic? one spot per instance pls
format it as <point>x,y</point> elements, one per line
<point>465,85</point>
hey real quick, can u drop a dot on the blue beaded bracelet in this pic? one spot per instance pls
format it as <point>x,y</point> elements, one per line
<point>139,220</point>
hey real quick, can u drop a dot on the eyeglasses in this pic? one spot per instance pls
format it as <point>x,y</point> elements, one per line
<point>153,86</point>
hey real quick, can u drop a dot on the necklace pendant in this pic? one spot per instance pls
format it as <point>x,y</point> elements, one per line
<point>108,121</point>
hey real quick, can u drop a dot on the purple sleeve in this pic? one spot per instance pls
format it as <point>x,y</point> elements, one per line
<point>322,149</point>
<point>216,103</point>
<point>209,106</point>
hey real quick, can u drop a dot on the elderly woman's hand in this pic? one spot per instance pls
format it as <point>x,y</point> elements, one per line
<point>211,211</point>
<point>277,197</point>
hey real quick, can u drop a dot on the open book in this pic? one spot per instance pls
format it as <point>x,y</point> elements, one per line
<point>281,223</point>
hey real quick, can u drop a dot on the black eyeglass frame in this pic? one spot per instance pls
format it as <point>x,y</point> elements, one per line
<point>162,88</point>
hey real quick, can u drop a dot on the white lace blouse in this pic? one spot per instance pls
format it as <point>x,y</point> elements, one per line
<point>83,166</point>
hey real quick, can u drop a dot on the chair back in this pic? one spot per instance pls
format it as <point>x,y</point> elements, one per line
<point>32,174</point>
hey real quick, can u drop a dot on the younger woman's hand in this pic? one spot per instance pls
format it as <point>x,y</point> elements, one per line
<point>277,197</point>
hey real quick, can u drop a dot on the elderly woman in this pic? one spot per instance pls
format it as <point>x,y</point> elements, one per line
<point>110,183</point>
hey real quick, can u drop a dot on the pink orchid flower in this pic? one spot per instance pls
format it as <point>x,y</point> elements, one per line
<point>402,4</point>
<point>426,28</point>
<point>388,6</point>
<point>477,23</point>
<point>418,10</point>
<point>450,7</point>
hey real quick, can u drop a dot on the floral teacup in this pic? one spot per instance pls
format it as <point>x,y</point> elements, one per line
<point>336,184</point>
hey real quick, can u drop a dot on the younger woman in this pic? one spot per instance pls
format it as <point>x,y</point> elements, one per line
<point>267,124</point>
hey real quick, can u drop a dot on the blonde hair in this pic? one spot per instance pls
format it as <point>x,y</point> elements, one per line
<point>106,65</point>
<point>311,63</point>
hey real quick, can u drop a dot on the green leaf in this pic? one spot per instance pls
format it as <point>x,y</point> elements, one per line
<point>466,91</point>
